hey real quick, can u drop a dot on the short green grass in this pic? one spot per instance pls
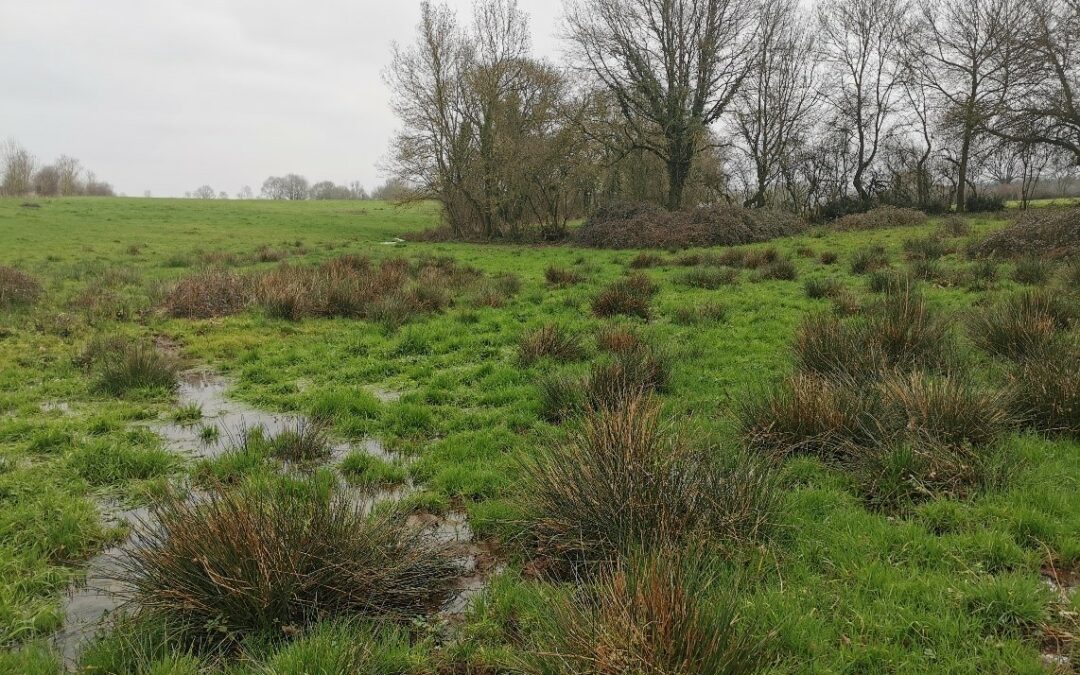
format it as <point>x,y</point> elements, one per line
<point>952,586</point>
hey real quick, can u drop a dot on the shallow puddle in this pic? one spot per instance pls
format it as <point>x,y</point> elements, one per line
<point>90,602</point>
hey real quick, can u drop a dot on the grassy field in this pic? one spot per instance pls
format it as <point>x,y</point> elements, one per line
<point>840,584</point>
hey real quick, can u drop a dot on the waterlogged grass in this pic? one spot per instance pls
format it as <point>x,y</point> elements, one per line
<point>944,585</point>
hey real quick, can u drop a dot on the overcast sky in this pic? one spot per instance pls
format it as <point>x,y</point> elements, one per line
<point>167,95</point>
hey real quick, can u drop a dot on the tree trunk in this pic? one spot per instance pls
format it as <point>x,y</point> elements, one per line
<point>680,159</point>
<point>961,171</point>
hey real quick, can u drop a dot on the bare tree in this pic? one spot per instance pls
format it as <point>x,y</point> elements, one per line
<point>1042,105</point>
<point>861,43</point>
<point>290,186</point>
<point>204,192</point>
<point>774,110</point>
<point>672,66</point>
<point>245,193</point>
<point>47,181</point>
<point>16,169</point>
<point>966,60</point>
<point>69,171</point>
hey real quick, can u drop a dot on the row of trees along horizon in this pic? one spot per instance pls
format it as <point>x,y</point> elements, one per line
<point>933,104</point>
<point>22,175</point>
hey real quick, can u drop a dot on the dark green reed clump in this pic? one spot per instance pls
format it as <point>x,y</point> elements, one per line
<point>551,341</point>
<point>629,296</point>
<point>665,612</point>
<point>1045,389</point>
<point>124,366</point>
<point>624,481</point>
<point>899,331</point>
<point>1023,323</point>
<point>278,556</point>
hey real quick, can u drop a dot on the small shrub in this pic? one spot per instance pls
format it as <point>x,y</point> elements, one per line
<point>879,218</point>
<point>134,365</point>
<point>1022,324</point>
<point>629,296</point>
<point>551,341</point>
<point>688,260</point>
<point>869,259</point>
<point>661,612</point>
<point>624,482</point>
<point>17,288</point>
<point>645,259</point>
<point>817,288</point>
<point>731,257</point>
<point>1045,390</point>
<point>208,293</point>
<point>1031,271</point>
<point>562,276</point>
<point>270,559</point>
<point>829,257</point>
<point>710,277</point>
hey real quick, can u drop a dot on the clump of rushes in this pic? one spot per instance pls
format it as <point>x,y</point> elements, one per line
<point>562,276</point>
<point>829,257</point>
<point>551,341</point>
<point>1045,389</point>
<point>629,296</point>
<point>122,368</point>
<point>302,442</point>
<point>187,414</point>
<point>710,277</point>
<point>687,315</point>
<point>645,259</point>
<point>890,281</point>
<point>629,373</point>
<point>1022,324</point>
<point>1031,271</point>
<point>927,248</point>
<point>780,269</point>
<point>946,410</point>
<point>954,226</point>
<point>275,558</point>
<point>208,293</point>
<point>808,414</point>
<point>367,470</point>
<point>561,396</point>
<point>618,339</point>
<point>905,470</point>
<point>869,259</point>
<point>624,482</point>
<point>17,288</point>
<point>817,288</point>
<point>665,612</point>
<point>899,331</point>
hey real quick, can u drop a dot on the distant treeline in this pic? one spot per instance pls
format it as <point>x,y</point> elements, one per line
<point>21,174</point>
<point>296,187</point>
<point>820,108</point>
